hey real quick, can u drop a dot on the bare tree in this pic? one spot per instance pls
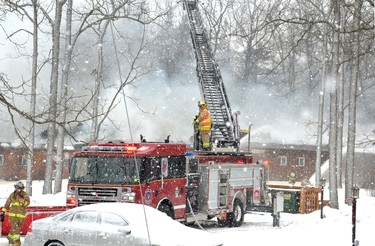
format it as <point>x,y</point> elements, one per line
<point>34,73</point>
<point>339,89</point>
<point>98,73</point>
<point>52,114</point>
<point>333,193</point>
<point>63,99</point>
<point>321,116</point>
<point>22,10</point>
<point>333,129</point>
<point>355,73</point>
<point>141,16</point>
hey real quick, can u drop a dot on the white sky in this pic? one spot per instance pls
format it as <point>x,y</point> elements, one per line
<point>295,229</point>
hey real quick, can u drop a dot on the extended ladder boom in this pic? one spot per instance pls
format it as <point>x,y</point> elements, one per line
<point>225,130</point>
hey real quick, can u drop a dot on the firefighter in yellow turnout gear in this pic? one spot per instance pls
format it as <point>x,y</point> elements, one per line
<point>292,176</point>
<point>204,121</point>
<point>17,203</point>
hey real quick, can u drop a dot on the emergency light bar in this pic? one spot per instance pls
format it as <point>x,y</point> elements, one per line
<point>126,148</point>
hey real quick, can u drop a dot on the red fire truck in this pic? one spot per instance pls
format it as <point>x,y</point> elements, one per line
<point>188,186</point>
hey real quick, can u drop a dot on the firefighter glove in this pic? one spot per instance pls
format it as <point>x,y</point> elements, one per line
<point>2,215</point>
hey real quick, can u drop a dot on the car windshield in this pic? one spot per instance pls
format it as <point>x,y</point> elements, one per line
<point>104,170</point>
<point>66,216</point>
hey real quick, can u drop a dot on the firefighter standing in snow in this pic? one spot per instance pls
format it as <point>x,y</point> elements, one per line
<point>292,176</point>
<point>204,121</point>
<point>16,203</point>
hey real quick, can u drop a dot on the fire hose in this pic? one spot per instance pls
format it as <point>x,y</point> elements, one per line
<point>196,221</point>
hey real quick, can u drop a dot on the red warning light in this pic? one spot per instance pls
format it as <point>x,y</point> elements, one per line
<point>71,202</point>
<point>130,148</point>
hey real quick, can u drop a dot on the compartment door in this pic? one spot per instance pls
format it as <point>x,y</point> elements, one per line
<point>213,192</point>
<point>257,179</point>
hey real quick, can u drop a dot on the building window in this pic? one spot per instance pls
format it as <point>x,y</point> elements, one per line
<point>22,160</point>
<point>1,160</point>
<point>283,160</point>
<point>301,161</point>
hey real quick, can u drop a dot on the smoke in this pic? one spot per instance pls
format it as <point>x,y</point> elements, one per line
<point>272,117</point>
<point>167,107</point>
<point>157,108</point>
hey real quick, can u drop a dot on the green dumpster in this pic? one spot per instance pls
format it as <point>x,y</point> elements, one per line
<point>291,199</point>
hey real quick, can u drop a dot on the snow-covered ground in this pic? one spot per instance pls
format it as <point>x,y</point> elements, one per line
<point>295,229</point>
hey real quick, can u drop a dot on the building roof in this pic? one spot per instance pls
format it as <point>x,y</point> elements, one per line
<point>257,145</point>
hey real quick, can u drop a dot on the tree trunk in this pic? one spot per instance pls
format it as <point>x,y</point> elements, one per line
<point>350,156</point>
<point>340,122</point>
<point>98,82</point>
<point>339,91</point>
<point>30,159</point>
<point>52,114</point>
<point>320,117</point>
<point>333,129</point>
<point>333,195</point>
<point>64,94</point>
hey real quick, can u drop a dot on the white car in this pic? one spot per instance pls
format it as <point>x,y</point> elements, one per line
<point>115,224</point>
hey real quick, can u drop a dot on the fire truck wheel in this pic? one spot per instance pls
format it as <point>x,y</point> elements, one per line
<point>55,243</point>
<point>236,218</point>
<point>165,208</point>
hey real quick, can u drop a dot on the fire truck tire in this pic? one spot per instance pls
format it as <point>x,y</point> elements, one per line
<point>165,208</point>
<point>237,216</point>
<point>54,243</point>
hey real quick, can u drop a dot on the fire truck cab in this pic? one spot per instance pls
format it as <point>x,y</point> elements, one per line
<point>187,186</point>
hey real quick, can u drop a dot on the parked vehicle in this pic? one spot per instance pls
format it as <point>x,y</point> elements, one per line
<point>114,224</point>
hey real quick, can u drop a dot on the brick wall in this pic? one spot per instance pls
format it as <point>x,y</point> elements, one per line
<point>282,157</point>
<point>13,163</point>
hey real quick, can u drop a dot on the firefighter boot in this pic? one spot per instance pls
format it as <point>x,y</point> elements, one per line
<point>10,241</point>
<point>206,149</point>
<point>17,242</point>
<point>14,242</point>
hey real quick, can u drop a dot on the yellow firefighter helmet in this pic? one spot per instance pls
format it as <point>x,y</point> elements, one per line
<point>202,104</point>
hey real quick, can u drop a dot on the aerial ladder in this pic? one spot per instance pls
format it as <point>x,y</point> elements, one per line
<point>225,131</point>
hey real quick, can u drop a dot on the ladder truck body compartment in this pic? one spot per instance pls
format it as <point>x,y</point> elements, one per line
<point>225,179</point>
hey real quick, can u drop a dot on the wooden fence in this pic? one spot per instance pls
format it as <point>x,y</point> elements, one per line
<point>309,200</point>
<point>309,197</point>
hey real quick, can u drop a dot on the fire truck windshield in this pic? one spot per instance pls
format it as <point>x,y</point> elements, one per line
<point>104,170</point>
